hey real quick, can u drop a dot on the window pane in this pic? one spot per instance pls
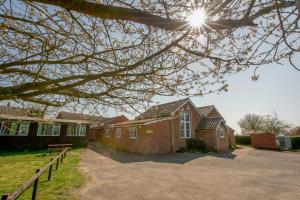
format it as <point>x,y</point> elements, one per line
<point>13,128</point>
<point>56,130</point>
<point>82,130</point>
<point>182,134</point>
<point>71,129</point>
<point>187,116</point>
<point>181,125</point>
<point>187,125</point>
<point>181,116</point>
<point>24,127</point>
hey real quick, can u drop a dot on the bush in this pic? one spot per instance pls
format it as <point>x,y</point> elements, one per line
<point>196,144</point>
<point>295,140</point>
<point>243,140</point>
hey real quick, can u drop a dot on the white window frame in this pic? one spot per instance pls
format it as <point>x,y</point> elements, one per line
<point>56,126</point>
<point>78,129</point>
<point>4,129</point>
<point>187,133</point>
<point>118,132</point>
<point>52,129</point>
<point>107,132</point>
<point>221,133</point>
<point>132,134</point>
<point>25,124</point>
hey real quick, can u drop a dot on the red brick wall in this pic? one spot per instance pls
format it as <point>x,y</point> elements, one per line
<point>161,140</point>
<point>145,143</point>
<point>209,136</point>
<point>263,141</point>
<point>231,138</point>
<point>93,134</point>
<point>223,142</point>
<point>214,141</point>
<point>195,119</point>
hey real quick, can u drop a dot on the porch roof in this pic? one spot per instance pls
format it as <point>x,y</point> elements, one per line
<point>209,123</point>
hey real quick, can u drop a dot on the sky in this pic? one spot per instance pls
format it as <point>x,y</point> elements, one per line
<point>277,90</point>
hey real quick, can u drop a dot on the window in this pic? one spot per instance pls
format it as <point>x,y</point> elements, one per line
<point>221,133</point>
<point>107,132</point>
<point>185,125</point>
<point>56,129</point>
<point>47,129</point>
<point>14,128</point>
<point>132,132</point>
<point>118,132</point>
<point>24,128</point>
<point>76,130</point>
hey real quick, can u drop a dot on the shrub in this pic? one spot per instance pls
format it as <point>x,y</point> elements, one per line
<point>196,144</point>
<point>243,140</point>
<point>295,140</point>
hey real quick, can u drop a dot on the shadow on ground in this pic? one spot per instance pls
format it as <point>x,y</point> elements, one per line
<point>176,158</point>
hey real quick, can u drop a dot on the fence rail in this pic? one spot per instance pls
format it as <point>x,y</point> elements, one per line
<point>35,179</point>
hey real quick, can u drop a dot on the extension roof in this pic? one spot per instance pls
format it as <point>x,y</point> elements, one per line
<point>80,116</point>
<point>210,123</point>
<point>96,121</point>
<point>163,109</point>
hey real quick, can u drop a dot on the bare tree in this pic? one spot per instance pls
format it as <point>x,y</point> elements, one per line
<point>252,122</point>
<point>121,54</point>
<point>272,124</point>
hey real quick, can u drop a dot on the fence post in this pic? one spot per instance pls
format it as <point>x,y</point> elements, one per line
<point>57,161</point>
<point>35,186</point>
<point>50,171</point>
<point>61,158</point>
<point>4,197</point>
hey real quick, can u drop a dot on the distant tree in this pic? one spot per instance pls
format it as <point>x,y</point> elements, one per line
<point>252,122</point>
<point>274,125</point>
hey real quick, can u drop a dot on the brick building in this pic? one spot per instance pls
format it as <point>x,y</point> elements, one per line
<point>164,129</point>
<point>97,123</point>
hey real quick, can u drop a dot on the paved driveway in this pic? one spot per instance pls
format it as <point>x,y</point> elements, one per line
<point>243,174</point>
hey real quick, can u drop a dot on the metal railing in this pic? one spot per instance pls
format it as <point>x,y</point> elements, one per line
<point>35,179</point>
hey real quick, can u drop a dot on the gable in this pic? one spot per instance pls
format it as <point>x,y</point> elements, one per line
<point>214,113</point>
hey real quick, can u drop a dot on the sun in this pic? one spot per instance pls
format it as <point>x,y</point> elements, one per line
<point>197,18</point>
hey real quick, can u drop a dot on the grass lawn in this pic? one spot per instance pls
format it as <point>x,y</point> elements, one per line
<point>18,167</point>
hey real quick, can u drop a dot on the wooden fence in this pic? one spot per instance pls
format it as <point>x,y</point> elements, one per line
<point>35,179</point>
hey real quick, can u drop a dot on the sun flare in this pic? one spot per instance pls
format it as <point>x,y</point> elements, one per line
<point>197,18</point>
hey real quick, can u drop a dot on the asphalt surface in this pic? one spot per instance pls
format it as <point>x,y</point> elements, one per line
<point>242,174</point>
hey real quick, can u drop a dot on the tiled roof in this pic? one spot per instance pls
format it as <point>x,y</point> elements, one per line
<point>205,110</point>
<point>108,121</point>
<point>142,121</point>
<point>96,121</point>
<point>15,111</point>
<point>79,116</point>
<point>36,119</point>
<point>209,123</point>
<point>162,109</point>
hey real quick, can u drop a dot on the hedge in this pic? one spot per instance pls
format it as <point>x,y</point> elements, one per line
<point>196,144</point>
<point>243,140</point>
<point>295,140</point>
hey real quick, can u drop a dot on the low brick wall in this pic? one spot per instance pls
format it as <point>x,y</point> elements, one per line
<point>263,141</point>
